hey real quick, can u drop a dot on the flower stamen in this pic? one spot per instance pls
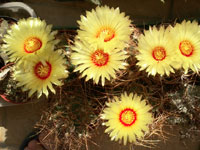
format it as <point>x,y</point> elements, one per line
<point>99,58</point>
<point>106,33</point>
<point>127,117</point>
<point>32,44</point>
<point>42,71</point>
<point>186,48</point>
<point>159,53</point>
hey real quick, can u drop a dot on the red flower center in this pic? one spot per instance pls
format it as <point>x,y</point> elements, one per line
<point>186,48</point>
<point>127,117</point>
<point>42,71</point>
<point>107,33</point>
<point>99,58</point>
<point>32,44</point>
<point>159,53</point>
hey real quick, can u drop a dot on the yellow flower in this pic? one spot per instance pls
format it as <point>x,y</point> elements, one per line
<point>186,40</point>
<point>43,71</point>
<point>127,118</point>
<point>28,37</point>
<point>105,27</point>
<point>155,52</point>
<point>97,63</point>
